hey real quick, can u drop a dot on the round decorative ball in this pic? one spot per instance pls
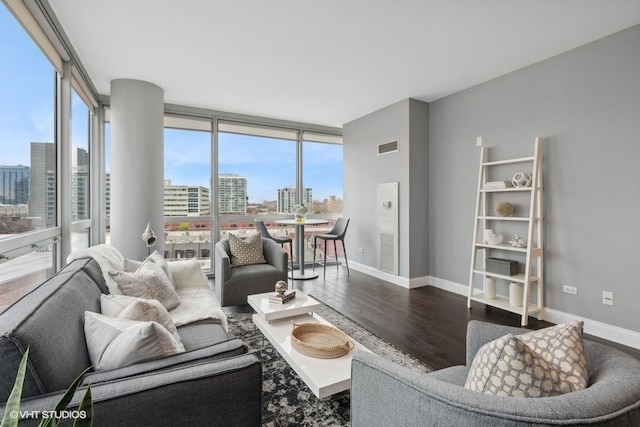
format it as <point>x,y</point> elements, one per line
<point>504,208</point>
<point>281,286</point>
<point>521,179</point>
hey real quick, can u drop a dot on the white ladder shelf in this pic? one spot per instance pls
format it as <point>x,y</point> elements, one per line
<point>530,258</point>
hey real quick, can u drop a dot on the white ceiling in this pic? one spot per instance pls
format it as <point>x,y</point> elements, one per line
<point>324,62</point>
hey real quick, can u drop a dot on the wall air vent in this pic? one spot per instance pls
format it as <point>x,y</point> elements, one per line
<point>388,147</point>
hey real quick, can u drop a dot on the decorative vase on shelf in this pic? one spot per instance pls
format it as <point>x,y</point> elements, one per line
<point>300,212</point>
<point>515,294</point>
<point>490,288</point>
<point>492,238</point>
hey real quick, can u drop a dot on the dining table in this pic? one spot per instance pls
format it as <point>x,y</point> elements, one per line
<point>300,273</point>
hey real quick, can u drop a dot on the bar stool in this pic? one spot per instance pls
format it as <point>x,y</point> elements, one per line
<point>337,233</point>
<point>262,229</point>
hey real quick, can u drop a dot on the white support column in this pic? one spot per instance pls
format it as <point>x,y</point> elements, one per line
<point>137,165</point>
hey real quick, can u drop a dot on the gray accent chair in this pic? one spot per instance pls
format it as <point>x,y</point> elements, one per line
<point>383,393</point>
<point>213,383</point>
<point>232,285</point>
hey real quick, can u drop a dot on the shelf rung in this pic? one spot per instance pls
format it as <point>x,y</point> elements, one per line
<point>505,218</point>
<point>518,278</point>
<point>504,190</point>
<point>509,161</point>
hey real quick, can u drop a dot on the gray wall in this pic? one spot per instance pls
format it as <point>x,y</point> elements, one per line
<point>585,103</point>
<point>406,121</point>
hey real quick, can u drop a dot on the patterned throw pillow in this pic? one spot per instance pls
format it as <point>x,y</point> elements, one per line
<point>508,367</point>
<point>247,251</point>
<point>562,346</point>
<point>546,362</point>
<point>149,282</point>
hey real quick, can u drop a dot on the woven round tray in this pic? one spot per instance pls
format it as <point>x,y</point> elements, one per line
<point>320,341</point>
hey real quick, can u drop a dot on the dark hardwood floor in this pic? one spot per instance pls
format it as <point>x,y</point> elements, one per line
<point>428,323</point>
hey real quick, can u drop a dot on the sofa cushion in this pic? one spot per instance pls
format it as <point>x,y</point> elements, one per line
<point>508,367</point>
<point>562,345</point>
<point>150,282</point>
<point>134,308</point>
<point>246,251</point>
<point>114,343</point>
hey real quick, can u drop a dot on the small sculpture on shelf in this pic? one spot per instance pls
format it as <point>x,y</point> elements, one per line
<point>504,209</point>
<point>521,180</point>
<point>492,238</point>
<point>518,242</point>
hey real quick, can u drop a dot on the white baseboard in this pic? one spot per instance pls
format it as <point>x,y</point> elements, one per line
<point>593,327</point>
<point>408,283</point>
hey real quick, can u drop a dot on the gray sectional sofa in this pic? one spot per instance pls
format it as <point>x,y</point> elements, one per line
<point>384,394</point>
<point>213,383</point>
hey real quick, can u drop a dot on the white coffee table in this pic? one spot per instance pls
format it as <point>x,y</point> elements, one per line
<point>324,377</point>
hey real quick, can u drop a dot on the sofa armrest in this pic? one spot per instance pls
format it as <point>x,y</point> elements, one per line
<point>220,393</point>
<point>217,351</point>
<point>479,333</point>
<point>222,263</point>
<point>274,254</point>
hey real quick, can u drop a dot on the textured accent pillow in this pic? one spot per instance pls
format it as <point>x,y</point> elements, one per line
<point>134,308</point>
<point>155,257</point>
<point>149,282</point>
<point>247,251</point>
<point>114,343</point>
<point>562,345</point>
<point>508,367</point>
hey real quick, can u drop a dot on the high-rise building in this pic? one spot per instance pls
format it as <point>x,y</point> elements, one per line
<point>14,184</point>
<point>42,190</point>
<point>80,208</point>
<point>107,193</point>
<point>232,194</point>
<point>288,198</point>
<point>186,200</point>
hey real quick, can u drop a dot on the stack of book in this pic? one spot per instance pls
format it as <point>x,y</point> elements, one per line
<point>285,297</point>
<point>497,184</point>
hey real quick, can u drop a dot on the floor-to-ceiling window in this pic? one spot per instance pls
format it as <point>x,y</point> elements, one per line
<point>80,170</point>
<point>187,189</point>
<point>28,162</point>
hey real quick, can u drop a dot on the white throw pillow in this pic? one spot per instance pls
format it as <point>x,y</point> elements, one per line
<point>114,343</point>
<point>134,308</point>
<point>188,274</point>
<point>150,282</point>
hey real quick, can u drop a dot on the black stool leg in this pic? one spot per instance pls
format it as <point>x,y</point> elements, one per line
<point>344,249</point>
<point>335,252</point>
<point>315,248</point>
<point>324,271</point>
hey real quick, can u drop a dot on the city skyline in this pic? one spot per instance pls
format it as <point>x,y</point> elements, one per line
<point>26,116</point>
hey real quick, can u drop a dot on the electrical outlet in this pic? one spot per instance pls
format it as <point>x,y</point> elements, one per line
<point>478,141</point>
<point>361,250</point>
<point>570,290</point>
<point>607,297</point>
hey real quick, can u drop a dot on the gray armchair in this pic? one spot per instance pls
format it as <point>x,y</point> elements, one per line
<point>232,285</point>
<point>383,393</point>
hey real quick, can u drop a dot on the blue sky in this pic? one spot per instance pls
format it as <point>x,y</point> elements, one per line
<point>26,115</point>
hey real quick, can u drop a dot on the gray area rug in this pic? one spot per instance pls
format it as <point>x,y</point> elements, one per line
<point>287,400</point>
